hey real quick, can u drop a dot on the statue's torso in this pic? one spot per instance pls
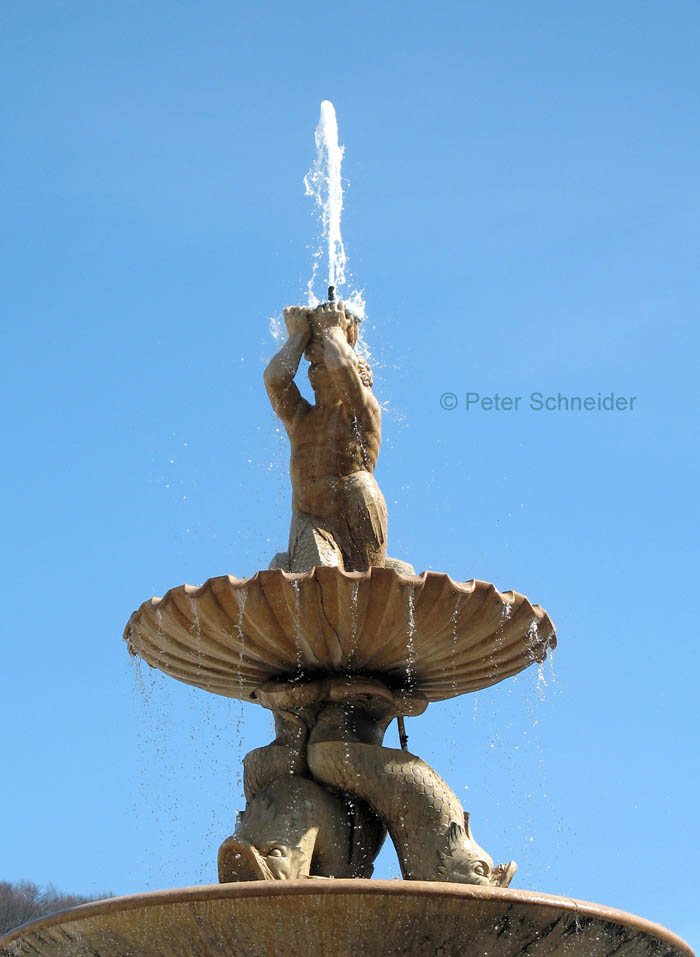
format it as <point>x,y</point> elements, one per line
<point>328,447</point>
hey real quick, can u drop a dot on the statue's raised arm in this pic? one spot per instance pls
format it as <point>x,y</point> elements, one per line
<point>332,347</point>
<point>284,395</point>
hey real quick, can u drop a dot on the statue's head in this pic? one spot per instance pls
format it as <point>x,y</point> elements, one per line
<point>465,862</point>
<point>322,381</point>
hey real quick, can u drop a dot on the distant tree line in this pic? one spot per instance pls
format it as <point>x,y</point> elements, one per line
<point>25,901</point>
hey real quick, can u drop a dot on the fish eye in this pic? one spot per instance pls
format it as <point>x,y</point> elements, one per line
<point>275,852</point>
<point>481,868</point>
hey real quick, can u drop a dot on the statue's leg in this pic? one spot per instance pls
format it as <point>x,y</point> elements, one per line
<point>362,523</point>
<point>311,545</point>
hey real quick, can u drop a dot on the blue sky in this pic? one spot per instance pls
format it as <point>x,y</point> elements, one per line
<point>522,211</point>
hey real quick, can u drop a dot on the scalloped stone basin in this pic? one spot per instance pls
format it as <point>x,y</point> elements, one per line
<point>426,632</point>
<point>342,918</point>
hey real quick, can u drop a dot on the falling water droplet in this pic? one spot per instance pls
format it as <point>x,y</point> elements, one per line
<point>241,596</point>
<point>297,625</point>
<point>411,643</point>
<point>354,637</point>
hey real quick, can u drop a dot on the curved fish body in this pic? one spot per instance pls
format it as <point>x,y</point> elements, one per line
<point>425,819</point>
<point>292,828</point>
<point>264,765</point>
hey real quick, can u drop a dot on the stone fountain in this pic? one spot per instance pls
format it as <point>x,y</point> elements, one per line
<point>337,640</point>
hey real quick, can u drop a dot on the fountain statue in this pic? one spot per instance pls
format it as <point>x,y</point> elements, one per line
<point>338,640</point>
<point>330,729</point>
<point>339,515</point>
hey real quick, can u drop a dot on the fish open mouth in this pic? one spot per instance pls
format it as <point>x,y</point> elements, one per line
<point>240,861</point>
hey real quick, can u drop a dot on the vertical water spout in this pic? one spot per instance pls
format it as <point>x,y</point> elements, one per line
<point>323,182</point>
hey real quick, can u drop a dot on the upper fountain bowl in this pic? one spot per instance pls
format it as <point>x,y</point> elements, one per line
<point>421,632</point>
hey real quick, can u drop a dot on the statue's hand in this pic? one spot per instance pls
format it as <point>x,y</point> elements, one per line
<point>327,318</point>
<point>296,319</point>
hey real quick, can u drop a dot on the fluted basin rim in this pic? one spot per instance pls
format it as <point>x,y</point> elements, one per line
<point>440,637</point>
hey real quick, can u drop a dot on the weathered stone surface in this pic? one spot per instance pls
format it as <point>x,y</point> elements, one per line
<point>339,515</point>
<point>292,828</point>
<point>426,821</point>
<point>321,795</point>
<point>343,918</point>
<point>426,632</point>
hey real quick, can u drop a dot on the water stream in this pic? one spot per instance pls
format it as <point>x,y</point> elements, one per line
<point>324,184</point>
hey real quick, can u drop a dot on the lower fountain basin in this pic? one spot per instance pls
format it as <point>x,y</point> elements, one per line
<point>426,632</point>
<point>343,918</point>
